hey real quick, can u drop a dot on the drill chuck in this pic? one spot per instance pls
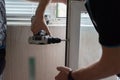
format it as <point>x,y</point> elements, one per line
<point>54,40</point>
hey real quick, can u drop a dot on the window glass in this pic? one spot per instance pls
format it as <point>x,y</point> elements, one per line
<point>61,10</point>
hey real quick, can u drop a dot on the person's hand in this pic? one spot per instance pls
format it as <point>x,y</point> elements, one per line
<point>39,24</point>
<point>63,73</point>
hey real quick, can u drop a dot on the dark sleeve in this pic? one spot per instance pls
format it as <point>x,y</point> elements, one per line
<point>105,19</point>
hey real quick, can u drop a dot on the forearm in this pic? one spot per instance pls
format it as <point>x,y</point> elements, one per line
<point>41,8</point>
<point>94,72</point>
<point>107,66</point>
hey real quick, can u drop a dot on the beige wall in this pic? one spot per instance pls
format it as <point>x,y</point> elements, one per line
<point>47,57</point>
<point>90,49</point>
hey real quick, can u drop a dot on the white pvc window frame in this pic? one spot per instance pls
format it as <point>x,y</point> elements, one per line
<point>73,33</point>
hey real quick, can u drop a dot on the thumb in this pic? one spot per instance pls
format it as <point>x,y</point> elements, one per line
<point>64,69</point>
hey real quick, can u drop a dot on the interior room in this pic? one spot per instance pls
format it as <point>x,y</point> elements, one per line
<point>25,61</point>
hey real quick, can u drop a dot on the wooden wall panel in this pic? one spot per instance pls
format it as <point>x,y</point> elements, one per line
<point>47,57</point>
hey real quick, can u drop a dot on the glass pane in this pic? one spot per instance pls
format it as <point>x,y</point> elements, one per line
<point>61,10</point>
<point>90,50</point>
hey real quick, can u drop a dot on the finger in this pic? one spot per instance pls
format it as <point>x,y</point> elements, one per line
<point>58,76</point>
<point>61,76</point>
<point>63,69</point>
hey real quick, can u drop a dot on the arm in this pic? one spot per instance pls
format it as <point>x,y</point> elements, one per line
<point>38,22</point>
<point>108,65</point>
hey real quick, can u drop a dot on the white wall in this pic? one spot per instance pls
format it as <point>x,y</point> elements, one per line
<point>90,49</point>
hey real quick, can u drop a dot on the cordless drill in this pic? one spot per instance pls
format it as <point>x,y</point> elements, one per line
<point>43,38</point>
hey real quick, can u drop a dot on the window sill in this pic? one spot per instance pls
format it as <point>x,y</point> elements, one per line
<point>29,24</point>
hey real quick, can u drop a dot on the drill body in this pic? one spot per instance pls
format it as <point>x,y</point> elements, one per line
<point>42,38</point>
